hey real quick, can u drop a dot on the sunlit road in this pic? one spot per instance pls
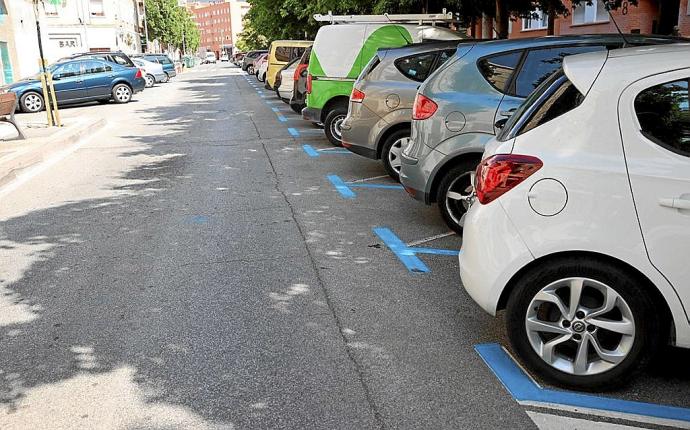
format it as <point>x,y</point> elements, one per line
<point>190,267</point>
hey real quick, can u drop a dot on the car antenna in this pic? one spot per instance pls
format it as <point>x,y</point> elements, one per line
<point>625,41</point>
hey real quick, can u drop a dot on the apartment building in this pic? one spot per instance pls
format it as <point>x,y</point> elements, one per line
<point>8,54</point>
<point>219,23</point>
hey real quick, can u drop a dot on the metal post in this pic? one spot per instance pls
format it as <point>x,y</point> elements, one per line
<point>146,27</point>
<point>42,65</point>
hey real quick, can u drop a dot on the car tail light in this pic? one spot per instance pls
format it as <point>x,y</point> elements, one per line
<point>357,96</point>
<point>309,78</point>
<point>139,75</point>
<point>500,173</point>
<point>423,107</point>
<point>298,72</point>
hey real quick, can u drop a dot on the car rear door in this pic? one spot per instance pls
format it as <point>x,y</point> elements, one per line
<point>98,76</point>
<point>68,82</point>
<point>654,116</point>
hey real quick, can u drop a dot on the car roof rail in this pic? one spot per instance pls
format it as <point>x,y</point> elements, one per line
<point>420,18</point>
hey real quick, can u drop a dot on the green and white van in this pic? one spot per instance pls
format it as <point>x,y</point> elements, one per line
<point>341,51</point>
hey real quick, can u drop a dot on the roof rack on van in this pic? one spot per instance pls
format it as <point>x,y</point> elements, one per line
<point>432,18</point>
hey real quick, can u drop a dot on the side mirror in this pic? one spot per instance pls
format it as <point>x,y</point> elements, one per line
<point>57,77</point>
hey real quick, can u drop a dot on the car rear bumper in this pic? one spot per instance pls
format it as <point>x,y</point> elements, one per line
<point>159,77</point>
<point>357,130</point>
<point>171,73</point>
<point>311,114</point>
<point>492,253</point>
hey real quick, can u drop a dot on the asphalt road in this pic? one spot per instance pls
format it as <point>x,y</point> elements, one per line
<point>191,267</point>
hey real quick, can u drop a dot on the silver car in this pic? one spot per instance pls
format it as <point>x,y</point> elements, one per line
<point>380,111</point>
<point>466,102</point>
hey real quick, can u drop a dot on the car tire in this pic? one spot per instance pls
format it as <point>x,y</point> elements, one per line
<point>150,80</point>
<point>31,102</point>
<point>166,78</point>
<point>391,150</point>
<point>250,70</point>
<point>331,125</point>
<point>630,300</point>
<point>458,182</point>
<point>122,93</point>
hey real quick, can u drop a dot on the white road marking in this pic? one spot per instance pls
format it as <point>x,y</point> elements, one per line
<point>367,179</point>
<point>557,422</point>
<point>429,239</point>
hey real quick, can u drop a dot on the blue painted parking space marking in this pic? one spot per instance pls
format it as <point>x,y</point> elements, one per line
<point>293,132</point>
<point>313,152</point>
<point>345,188</point>
<point>524,390</point>
<point>198,219</point>
<point>408,254</point>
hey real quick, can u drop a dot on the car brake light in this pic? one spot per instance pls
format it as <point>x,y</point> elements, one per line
<point>309,78</point>
<point>298,72</point>
<point>357,96</point>
<point>423,107</point>
<point>500,173</point>
<point>139,75</point>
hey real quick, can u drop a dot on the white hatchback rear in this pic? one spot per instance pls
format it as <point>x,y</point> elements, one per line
<point>581,228</point>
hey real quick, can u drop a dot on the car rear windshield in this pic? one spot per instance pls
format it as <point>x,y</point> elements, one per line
<point>371,65</point>
<point>554,97</point>
<point>416,67</point>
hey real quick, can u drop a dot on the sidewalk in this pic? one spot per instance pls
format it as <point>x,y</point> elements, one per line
<point>41,141</point>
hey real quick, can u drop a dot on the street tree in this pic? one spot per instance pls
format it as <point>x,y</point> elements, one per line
<point>171,24</point>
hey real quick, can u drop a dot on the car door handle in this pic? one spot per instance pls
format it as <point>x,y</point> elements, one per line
<point>675,203</point>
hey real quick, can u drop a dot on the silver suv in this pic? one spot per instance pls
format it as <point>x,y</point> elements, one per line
<point>466,102</point>
<point>380,111</point>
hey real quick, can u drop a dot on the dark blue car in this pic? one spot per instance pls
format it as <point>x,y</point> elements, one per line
<point>79,81</point>
<point>163,60</point>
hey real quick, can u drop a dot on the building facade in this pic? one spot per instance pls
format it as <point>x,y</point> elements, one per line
<point>73,26</point>
<point>8,53</point>
<point>219,24</point>
<point>648,17</point>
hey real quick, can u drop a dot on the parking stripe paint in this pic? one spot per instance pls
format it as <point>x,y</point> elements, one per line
<point>341,187</point>
<point>313,152</point>
<point>525,391</point>
<point>310,150</point>
<point>293,132</point>
<point>408,254</point>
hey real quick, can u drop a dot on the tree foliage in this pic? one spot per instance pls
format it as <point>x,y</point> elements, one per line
<point>292,19</point>
<point>171,24</point>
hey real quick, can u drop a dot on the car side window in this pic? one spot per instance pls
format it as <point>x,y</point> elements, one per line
<point>498,69</point>
<point>283,53</point>
<point>664,115</point>
<point>67,71</point>
<point>565,98</point>
<point>541,63</point>
<point>443,56</point>
<point>416,67</point>
<point>120,60</point>
<point>91,67</point>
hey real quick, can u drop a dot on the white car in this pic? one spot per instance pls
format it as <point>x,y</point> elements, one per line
<point>210,58</point>
<point>580,227</point>
<point>153,72</point>
<point>263,68</point>
<point>224,57</point>
<point>287,81</point>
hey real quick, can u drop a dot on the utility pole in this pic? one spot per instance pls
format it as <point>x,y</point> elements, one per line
<point>146,26</point>
<point>42,65</point>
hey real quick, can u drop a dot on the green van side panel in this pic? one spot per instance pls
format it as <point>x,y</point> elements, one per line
<point>388,36</point>
<point>322,91</point>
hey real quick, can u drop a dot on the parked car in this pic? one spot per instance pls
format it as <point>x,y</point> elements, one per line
<point>224,58</point>
<point>248,60</point>
<point>117,57</point>
<point>280,53</point>
<point>237,58</point>
<point>581,226</point>
<point>466,101</point>
<point>339,54</point>
<point>285,81</point>
<point>378,119</point>
<point>210,58</point>
<point>298,101</point>
<point>81,80</point>
<point>153,72</point>
<point>260,67</point>
<point>165,61</point>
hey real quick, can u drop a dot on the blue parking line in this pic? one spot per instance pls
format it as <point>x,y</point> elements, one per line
<point>408,254</point>
<point>341,187</point>
<point>313,152</point>
<point>523,389</point>
<point>293,132</point>
<point>310,150</point>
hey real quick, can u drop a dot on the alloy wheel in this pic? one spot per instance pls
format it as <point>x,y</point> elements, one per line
<point>580,326</point>
<point>149,81</point>
<point>458,198</point>
<point>123,94</point>
<point>336,126</point>
<point>394,153</point>
<point>33,102</point>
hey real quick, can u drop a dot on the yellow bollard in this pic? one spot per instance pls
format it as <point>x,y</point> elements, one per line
<point>51,88</point>
<point>46,99</point>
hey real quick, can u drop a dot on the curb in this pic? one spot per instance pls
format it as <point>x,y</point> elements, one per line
<point>43,148</point>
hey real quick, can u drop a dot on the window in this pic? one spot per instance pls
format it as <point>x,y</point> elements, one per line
<point>416,67</point>
<point>3,8</point>
<point>540,63</point>
<point>67,70</point>
<point>590,13</point>
<point>94,67</point>
<point>564,99</point>
<point>443,56</point>
<point>96,7</point>
<point>537,21</point>
<point>498,69</point>
<point>7,75</point>
<point>664,115</point>
<point>50,9</point>
<point>121,60</point>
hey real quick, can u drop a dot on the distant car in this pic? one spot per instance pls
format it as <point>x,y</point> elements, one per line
<point>249,59</point>
<point>165,61</point>
<point>210,58</point>
<point>237,58</point>
<point>117,57</point>
<point>580,228</point>
<point>261,66</point>
<point>81,80</point>
<point>153,72</point>
<point>224,57</point>
<point>285,80</point>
